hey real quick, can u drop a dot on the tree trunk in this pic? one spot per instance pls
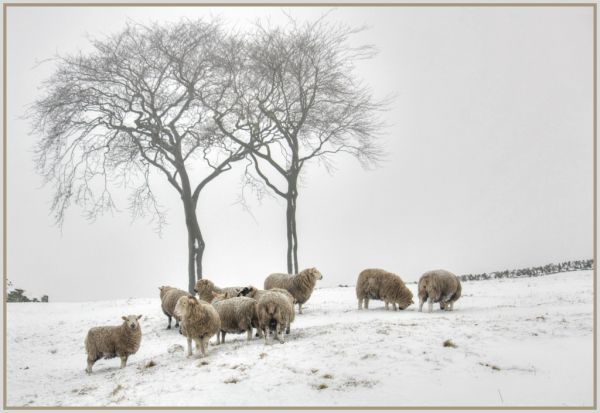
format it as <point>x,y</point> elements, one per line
<point>196,243</point>
<point>289,214</point>
<point>295,235</point>
<point>292,232</point>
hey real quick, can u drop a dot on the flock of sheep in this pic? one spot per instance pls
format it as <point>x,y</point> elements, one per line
<point>239,310</point>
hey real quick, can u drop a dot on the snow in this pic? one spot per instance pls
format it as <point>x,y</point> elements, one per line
<point>520,342</point>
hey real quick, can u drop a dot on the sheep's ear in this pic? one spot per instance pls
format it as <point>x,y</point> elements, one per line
<point>139,316</point>
<point>124,318</point>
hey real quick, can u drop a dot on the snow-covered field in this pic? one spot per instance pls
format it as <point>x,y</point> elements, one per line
<point>519,342</point>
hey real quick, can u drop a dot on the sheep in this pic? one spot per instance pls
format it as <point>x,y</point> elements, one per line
<point>439,286</point>
<point>199,322</point>
<point>275,311</point>
<point>112,341</point>
<point>377,284</point>
<point>238,315</point>
<point>300,286</point>
<point>168,298</point>
<point>205,288</point>
<point>255,293</point>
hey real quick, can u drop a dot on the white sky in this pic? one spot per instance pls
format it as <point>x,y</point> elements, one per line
<point>489,165</point>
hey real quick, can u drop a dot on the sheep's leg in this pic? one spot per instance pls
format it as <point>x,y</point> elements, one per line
<point>430,304</point>
<point>199,347</point>
<point>421,302</point>
<point>450,307</point>
<point>176,322</point>
<point>90,364</point>
<point>360,303</point>
<point>189,340</point>
<point>279,332</point>
<point>123,361</point>
<point>222,337</point>
<point>287,328</point>
<point>387,306</point>
<point>299,308</point>
<point>249,334</point>
<point>204,343</point>
<point>394,306</point>
<point>366,303</point>
<point>264,330</point>
<point>169,326</point>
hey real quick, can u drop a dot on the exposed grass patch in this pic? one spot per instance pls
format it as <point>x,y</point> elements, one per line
<point>231,380</point>
<point>449,343</point>
<point>327,376</point>
<point>116,390</point>
<point>492,366</point>
<point>322,386</point>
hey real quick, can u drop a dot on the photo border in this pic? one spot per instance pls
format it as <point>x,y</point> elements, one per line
<point>7,6</point>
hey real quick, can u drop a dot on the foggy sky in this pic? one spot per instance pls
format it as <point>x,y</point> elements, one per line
<point>488,166</point>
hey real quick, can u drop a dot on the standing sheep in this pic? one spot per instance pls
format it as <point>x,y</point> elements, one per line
<point>439,286</point>
<point>238,315</point>
<point>168,298</point>
<point>275,311</point>
<point>377,284</point>
<point>199,322</point>
<point>113,341</point>
<point>255,293</point>
<point>205,289</point>
<point>300,286</point>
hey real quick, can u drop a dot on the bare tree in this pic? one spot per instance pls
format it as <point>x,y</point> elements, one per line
<point>129,111</point>
<point>302,100</point>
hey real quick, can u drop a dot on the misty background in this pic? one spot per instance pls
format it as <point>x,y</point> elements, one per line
<point>489,161</point>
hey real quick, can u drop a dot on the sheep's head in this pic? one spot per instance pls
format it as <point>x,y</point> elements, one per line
<point>204,285</point>
<point>404,304</point>
<point>131,321</point>
<point>315,274</point>
<point>247,291</point>
<point>183,305</point>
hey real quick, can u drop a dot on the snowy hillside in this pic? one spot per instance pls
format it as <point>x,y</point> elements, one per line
<point>518,342</point>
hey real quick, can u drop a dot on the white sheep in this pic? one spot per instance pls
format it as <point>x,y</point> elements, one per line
<point>300,285</point>
<point>113,341</point>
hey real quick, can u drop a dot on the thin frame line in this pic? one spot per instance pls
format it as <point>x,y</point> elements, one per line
<point>595,237</point>
<point>4,204</point>
<point>300,4</point>
<point>296,5</point>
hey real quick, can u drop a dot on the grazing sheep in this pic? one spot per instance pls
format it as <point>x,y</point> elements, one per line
<point>168,298</point>
<point>205,288</point>
<point>199,322</point>
<point>255,293</point>
<point>300,286</point>
<point>113,341</point>
<point>275,311</point>
<point>238,315</point>
<point>377,284</point>
<point>439,286</point>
